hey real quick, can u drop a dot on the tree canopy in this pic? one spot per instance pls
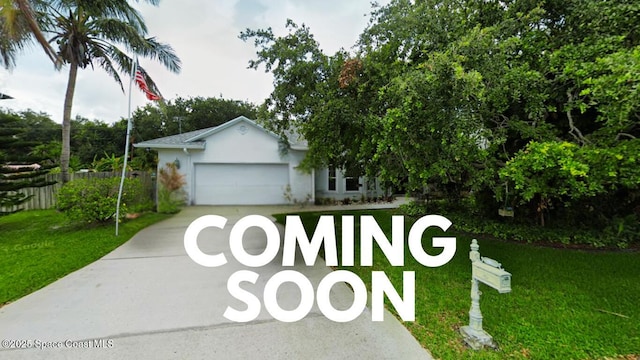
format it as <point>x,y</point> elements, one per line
<point>181,115</point>
<point>106,34</point>
<point>98,145</point>
<point>539,99</point>
<point>187,114</point>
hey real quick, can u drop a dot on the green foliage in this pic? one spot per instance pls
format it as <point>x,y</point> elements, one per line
<point>109,163</point>
<point>459,97</point>
<point>88,34</point>
<point>619,233</point>
<point>92,140</point>
<point>98,145</point>
<point>94,200</point>
<point>564,170</point>
<point>38,127</point>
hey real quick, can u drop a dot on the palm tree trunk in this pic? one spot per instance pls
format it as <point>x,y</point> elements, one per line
<point>66,122</point>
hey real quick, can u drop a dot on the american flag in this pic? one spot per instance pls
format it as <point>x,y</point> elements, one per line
<point>142,84</point>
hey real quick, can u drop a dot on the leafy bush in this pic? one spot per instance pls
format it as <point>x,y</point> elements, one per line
<point>564,179</point>
<point>136,196</point>
<point>94,200</point>
<point>621,233</point>
<point>108,163</point>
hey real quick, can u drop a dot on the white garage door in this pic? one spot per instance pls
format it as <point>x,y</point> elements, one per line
<point>240,184</point>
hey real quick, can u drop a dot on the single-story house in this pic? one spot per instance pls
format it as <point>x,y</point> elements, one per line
<point>242,163</point>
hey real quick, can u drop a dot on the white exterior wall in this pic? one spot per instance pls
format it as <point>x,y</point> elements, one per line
<point>302,184</point>
<point>242,143</point>
<point>322,187</point>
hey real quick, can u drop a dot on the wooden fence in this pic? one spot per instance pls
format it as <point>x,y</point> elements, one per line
<point>45,197</point>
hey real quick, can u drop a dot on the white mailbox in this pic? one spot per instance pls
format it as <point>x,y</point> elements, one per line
<point>490,272</point>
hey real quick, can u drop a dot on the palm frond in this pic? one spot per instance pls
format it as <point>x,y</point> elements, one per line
<point>19,26</point>
<point>101,55</point>
<point>31,19</point>
<point>161,52</point>
<point>151,2</point>
<point>14,34</point>
<point>107,65</point>
<point>119,58</point>
<point>121,32</point>
<point>124,63</point>
<point>115,9</point>
<point>118,31</point>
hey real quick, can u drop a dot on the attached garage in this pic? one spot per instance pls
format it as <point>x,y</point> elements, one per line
<point>236,163</point>
<point>240,184</point>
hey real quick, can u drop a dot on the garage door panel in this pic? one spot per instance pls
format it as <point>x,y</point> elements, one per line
<point>240,184</point>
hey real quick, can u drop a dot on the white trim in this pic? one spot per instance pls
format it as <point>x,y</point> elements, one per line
<point>312,180</point>
<point>200,146</point>
<point>229,124</point>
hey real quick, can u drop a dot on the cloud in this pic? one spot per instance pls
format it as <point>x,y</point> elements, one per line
<point>249,14</point>
<point>204,34</point>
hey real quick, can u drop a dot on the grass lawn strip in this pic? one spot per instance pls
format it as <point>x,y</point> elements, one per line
<point>38,247</point>
<point>565,304</point>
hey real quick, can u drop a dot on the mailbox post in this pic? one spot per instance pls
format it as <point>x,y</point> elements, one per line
<point>489,272</point>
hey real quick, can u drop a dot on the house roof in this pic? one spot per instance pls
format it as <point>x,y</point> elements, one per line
<point>179,141</point>
<point>197,139</point>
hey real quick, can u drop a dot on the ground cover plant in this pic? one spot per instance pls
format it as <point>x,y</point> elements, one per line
<point>38,247</point>
<point>565,304</point>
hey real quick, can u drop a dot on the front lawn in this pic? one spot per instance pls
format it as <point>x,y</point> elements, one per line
<point>38,247</point>
<point>564,304</point>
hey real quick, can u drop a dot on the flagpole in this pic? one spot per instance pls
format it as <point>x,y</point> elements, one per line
<point>126,146</point>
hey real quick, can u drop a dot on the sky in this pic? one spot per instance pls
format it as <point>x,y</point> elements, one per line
<point>204,34</point>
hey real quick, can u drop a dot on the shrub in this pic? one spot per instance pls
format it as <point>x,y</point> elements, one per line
<point>170,193</point>
<point>136,196</point>
<point>621,233</point>
<point>94,200</point>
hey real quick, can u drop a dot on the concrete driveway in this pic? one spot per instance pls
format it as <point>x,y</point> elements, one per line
<point>149,300</point>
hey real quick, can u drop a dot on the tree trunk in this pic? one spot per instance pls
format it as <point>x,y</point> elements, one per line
<point>66,122</point>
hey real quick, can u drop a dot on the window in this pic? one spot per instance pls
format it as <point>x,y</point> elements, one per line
<point>332,179</point>
<point>351,181</point>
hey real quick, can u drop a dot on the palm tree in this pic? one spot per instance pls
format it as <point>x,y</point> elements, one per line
<point>19,27</point>
<point>90,33</point>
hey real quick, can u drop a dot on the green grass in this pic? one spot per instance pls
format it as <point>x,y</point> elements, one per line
<point>561,305</point>
<point>39,247</point>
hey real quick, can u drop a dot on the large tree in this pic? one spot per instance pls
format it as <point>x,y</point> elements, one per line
<point>103,34</point>
<point>457,94</point>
